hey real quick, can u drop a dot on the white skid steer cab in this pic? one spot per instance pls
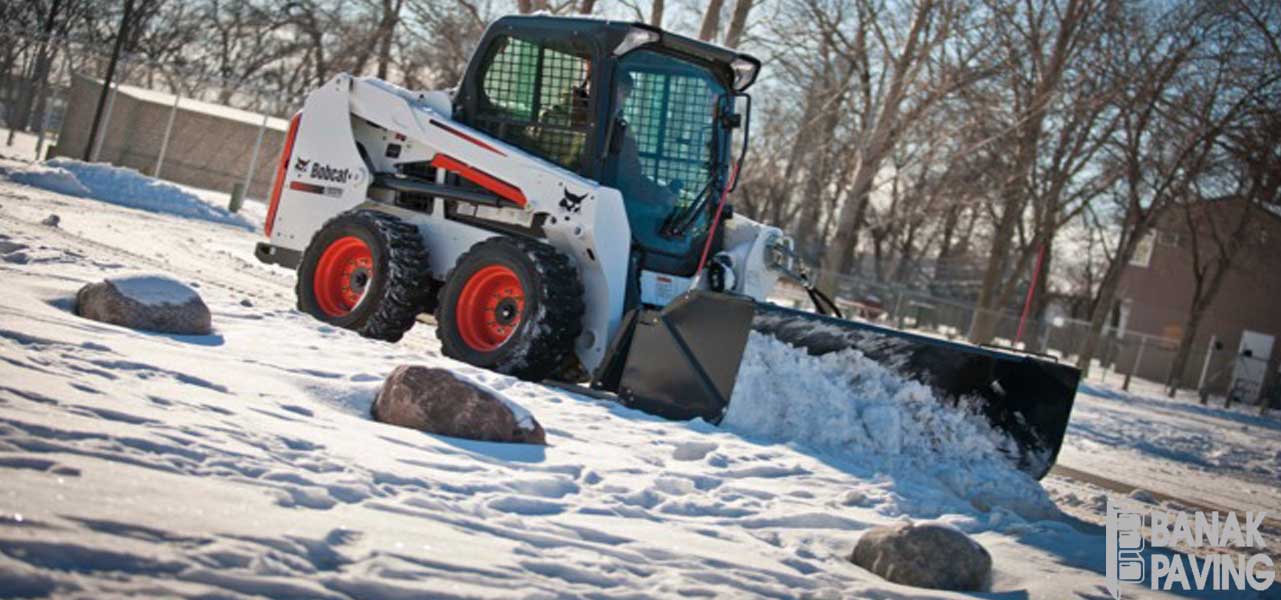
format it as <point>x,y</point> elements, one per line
<point>564,214</point>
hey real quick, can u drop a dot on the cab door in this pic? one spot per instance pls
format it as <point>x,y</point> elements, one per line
<point>535,90</point>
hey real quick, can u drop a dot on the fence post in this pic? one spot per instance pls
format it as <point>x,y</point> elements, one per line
<point>253,158</point>
<point>1205,367</point>
<point>237,197</point>
<point>164,143</point>
<point>898,309</point>
<point>1173,388</point>
<point>1107,364</point>
<point>1138,360</point>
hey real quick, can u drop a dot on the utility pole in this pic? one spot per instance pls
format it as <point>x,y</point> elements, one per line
<point>106,82</point>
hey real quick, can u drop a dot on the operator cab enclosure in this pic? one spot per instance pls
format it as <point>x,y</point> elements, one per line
<point>660,132</point>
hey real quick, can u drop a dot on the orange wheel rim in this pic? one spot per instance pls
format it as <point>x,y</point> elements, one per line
<point>343,275</point>
<point>490,308</point>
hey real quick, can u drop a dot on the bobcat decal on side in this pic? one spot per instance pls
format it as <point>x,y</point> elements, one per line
<point>571,202</point>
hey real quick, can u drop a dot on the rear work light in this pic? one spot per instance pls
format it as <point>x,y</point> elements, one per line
<point>282,169</point>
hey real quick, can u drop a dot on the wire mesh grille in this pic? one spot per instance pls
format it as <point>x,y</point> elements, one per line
<point>536,98</point>
<point>671,117</point>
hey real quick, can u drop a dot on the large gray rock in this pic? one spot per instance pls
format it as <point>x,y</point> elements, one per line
<point>437,401</point>
<point>147,302</point>
<point>928,555</point>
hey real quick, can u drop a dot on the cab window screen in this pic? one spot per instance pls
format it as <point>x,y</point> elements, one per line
<point>536,98</point>
<point>670,114</point>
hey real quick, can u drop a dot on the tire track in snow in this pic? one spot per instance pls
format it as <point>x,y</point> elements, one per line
<point>1121,487</point>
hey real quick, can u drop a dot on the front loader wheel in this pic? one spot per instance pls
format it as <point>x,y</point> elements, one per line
<point>511,305</point>
<point>365,271</point>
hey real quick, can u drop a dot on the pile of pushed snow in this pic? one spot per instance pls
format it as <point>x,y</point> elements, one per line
<point>848,405</point>
<point>124,187</point>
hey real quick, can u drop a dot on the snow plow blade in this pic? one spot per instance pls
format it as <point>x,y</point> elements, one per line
<point>681,362</point>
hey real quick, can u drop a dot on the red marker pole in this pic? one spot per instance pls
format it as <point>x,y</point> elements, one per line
<point>1031,291</point>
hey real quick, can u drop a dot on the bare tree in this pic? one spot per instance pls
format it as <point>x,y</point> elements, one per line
<point>1172,114</point>
<point>900,44</point>
<point>738,23</point>
<point>1222,231</point>
<point>387,33</point>
<point>1038,40</point>
<point>711,24</point>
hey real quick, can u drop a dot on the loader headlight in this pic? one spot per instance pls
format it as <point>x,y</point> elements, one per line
<point>635,38</point>
<point>745,71</point>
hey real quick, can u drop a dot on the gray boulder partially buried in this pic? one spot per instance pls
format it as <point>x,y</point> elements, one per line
<point>438,401</point>
<point>927,555</point>
<point>146,302</point>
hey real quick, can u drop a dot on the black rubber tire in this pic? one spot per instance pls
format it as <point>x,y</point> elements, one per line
<point>397,291</point>
<point>551,319</point>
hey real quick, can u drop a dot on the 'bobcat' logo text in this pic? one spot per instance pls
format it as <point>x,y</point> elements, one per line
<point>323,172</point>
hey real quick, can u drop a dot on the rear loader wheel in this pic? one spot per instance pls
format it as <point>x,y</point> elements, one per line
<point>366,271</point>
<point>511,305</point>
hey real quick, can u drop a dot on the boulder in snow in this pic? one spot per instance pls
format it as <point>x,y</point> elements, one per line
<point>51,220</point>
<point>438,401</point>
<point>928,555</point>
<point>1142,495</point>
<point>148,302</point>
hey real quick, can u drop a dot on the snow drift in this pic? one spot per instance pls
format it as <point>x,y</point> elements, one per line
<point>125,187</point>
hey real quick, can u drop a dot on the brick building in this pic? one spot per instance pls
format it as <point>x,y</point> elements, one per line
<point>1157,287</point>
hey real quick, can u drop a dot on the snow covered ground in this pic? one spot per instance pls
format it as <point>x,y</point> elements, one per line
<point>244,462</point>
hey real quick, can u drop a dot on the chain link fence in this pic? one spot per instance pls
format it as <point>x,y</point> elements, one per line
<point>1121,356</point>
<point>176,124</point>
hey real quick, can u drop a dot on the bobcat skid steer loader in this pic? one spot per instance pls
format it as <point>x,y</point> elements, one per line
<point>563,211</point>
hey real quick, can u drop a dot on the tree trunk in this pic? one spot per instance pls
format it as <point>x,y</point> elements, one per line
<point>943,260</point>
<point>1108,286</point>
<point>391,16</point>
<point>1041,300</point>
<point>27,101</point>
<point>656,13</point>
<point>711,21</point>
<point>877,145</point>
<point>587,7</point>
<point>983,329</point>
<point>1016,190</point>
<point>738,23</point>
<point>1184,352</point>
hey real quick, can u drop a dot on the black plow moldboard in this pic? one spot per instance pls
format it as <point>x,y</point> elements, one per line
<point>1026,396</point>
<point>682,361</point>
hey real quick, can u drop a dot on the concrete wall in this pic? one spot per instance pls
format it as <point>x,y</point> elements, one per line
<point>210,146</point>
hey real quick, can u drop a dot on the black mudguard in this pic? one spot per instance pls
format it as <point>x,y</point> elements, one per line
<point>681,362</point>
